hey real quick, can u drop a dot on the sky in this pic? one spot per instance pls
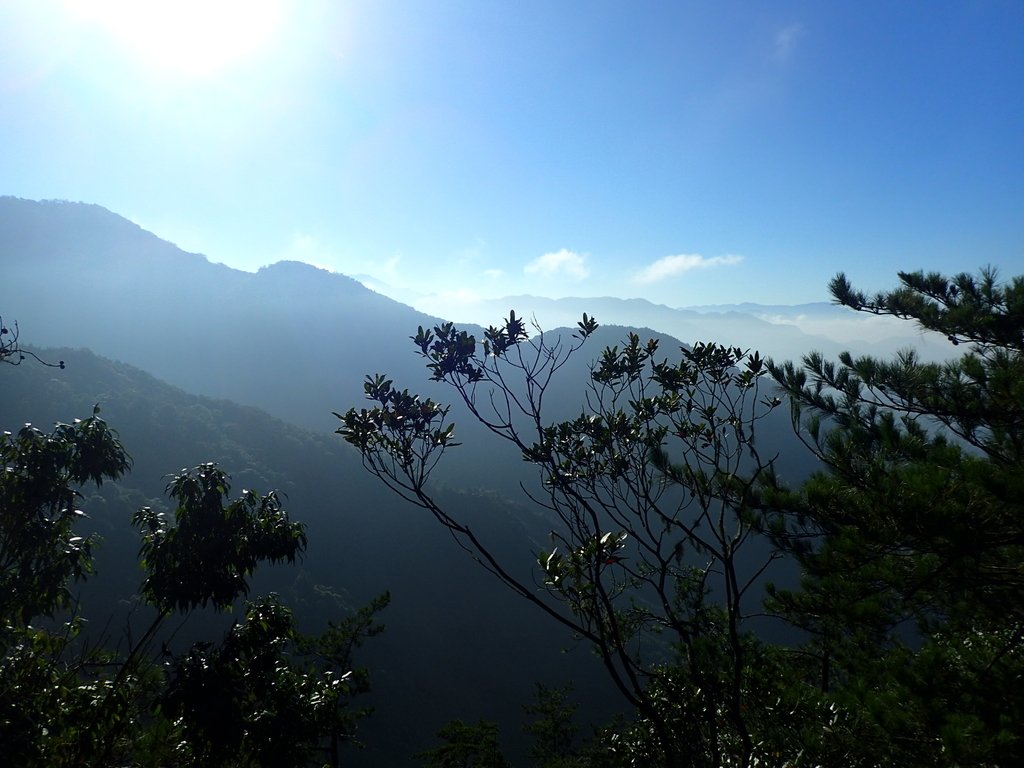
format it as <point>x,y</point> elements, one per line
<point>683,152</point>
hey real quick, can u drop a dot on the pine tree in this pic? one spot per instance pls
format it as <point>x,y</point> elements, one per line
<point>912,539</point>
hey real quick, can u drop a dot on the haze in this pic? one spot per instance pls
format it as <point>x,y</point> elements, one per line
<point>684,153</point>
<point>218,218</point>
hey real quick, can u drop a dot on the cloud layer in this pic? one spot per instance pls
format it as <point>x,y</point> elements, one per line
<point>564,261</point>
<point>671,266</point>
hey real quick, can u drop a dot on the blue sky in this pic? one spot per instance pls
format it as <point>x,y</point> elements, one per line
<point>687,153</point>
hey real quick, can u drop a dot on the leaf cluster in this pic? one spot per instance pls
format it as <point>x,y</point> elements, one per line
<point>265,695</point>
<point>40,550</point>
<point>207,556</point>
<point>635,528</point>
<point>911,540</point>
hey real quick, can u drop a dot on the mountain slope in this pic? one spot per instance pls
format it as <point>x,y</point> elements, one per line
<point>297,342</point>
<point>80,276</point>
<point>456,644</point>
<point>782,332</point>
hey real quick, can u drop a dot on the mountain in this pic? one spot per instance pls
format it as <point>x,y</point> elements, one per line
<point>202,347</point>
<point>861,332</point>
<point>456,645</point>
<point>78,275</point>
<point>779,331</point>
<point>752,308</point>
<point>291,339</point>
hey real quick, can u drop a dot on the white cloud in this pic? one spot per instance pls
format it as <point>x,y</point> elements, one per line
<point>565,261</point>
<point>786,39</point>
<point>472,253</point>
<point>670,266</point>
<point>494,274</point>
<point>459,306</point>
<point>302,245</point>
<point>307,249</point>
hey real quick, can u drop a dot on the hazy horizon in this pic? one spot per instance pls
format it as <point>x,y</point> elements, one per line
<point>683,153</point>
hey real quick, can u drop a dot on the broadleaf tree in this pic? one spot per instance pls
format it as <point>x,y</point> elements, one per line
<point>653,494</point>
<point>909,539</point>
<point>43,699</point>
<point>11,351</point>
<point>67,702</point>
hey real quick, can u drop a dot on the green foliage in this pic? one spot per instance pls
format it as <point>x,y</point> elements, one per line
<point>45,701</point>
<point>40,552</point>
<point>55,700</point>
<point>979,310</point>
<point>212,549</point>
<point>266,695</point>
<point>247,702</point>
<point>552,728</point>
<point>336,647</point>
<point>653,490</point>
<point>912,541</point>
<point>466,746</point>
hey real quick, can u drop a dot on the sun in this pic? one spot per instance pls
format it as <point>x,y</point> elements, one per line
<point>184,37</point>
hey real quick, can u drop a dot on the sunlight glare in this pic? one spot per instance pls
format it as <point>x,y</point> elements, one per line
<point>186,37</point>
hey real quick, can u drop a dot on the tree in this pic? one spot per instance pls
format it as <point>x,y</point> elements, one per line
<point>466,746</point>
<point>207,556</point>
<point>912,539</point>
<point>11,351</point>
<point>552,728</point>
<point>667,515</point>
<point>252,700</point>
<point>653,493</point>
<point>39,550</point>
<point>41,695</point>
<point>286,696</point>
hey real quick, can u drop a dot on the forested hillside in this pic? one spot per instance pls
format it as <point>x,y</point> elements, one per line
<point>756,561</point>
<point>286,339</point>
<point>447,623</point>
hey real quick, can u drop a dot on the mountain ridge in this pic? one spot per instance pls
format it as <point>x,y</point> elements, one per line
<point>362,540</point>
<point>296,342</point>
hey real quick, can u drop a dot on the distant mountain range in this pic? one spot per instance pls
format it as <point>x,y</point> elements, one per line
<point>447,622</point>
<point>785,332</point>
<point>292,339</point>
<point>750,308</point>
<point>733,328</point>
<point>284,339</point>
<point>296,342</point>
